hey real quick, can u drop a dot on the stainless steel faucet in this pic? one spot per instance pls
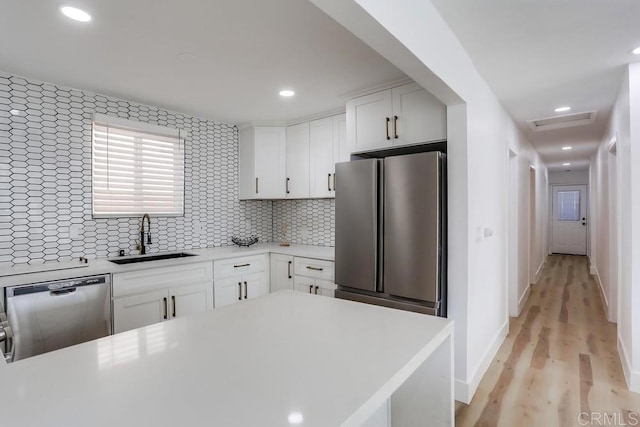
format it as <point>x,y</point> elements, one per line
<point>141,247</point>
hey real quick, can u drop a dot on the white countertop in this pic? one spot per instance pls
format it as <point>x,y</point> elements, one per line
<point>34,274</point>
<point>248,364</point>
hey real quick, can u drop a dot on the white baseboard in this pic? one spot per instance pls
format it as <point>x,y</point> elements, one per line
<point>593,270</point>
<point>539,271</point>
<point>523,299</point>
<point>464,391</point>
<point>631,377</point>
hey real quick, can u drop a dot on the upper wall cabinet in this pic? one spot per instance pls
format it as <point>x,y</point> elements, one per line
<point>262,171</point>
<point>400,116</point>
<point>297,162</point>
<point>327,140</point>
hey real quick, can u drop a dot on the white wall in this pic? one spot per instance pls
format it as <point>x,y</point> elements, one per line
<point>530,250</point>
<point>573,177</point>
<point>413,36</point>
<point>615,184</point>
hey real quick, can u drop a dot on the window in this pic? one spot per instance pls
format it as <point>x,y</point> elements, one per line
<point>137,168</point>
<point>569,205</point>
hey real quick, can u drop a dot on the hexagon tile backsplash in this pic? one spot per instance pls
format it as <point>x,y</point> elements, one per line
<point>45,182</point>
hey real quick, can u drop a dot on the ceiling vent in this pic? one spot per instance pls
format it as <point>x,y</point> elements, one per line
<point>558,122</point>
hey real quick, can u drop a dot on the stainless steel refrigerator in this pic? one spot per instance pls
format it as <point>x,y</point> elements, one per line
<point>391,232</point>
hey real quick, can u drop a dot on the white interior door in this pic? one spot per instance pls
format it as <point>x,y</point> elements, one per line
<point>569,232</point>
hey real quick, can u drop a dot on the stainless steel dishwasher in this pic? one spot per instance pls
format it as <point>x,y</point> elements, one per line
<point>48,316</point>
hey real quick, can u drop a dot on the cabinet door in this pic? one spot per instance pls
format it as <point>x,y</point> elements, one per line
<point>227,291</point>
<point>369,122</point>
<point>140,310</point>
<point>321,157</point>
<point>304,284</point>
<point>192,299</point>
<point>255,285</point>
<point>270,172</point>
<point>281,272</point>
<point>340,147</point>
<point>418,116</point>
<point>297,161</point>
<point>325,288</point>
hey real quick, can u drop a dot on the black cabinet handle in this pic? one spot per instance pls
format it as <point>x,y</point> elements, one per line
<point>245,290</point>
<point>173,302</point>
<point>310,289</point>
<point>314,268</point>
<point>165,308</point>
<point>241,265</point>
<point>334,181</point>
<point>239,291</point>
<point>256,185</point>
<point>288,186</point>
<point>289,270</point>
<point>329,181</point>
<point>388,120</point>
<point>395,127</point>
<point>317,289</point>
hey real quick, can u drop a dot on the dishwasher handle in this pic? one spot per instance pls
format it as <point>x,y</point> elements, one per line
<point>59,292</point>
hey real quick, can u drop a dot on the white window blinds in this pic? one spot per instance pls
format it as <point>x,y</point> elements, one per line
<point>136,169</point>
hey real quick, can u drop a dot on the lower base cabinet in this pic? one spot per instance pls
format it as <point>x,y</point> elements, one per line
<point>314,286</point>
<point>145,297</point>
<point>146,309</point>
<point>231,290</point>
<point>240,279</point>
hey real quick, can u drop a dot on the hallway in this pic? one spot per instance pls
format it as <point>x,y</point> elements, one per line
<point>559,364</point>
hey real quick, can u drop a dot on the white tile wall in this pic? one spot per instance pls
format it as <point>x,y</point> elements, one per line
<point>45,179</point>
<point>309,222</point>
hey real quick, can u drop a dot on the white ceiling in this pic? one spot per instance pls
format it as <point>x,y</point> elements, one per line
<point>245,52</point>
<point>537,55</point>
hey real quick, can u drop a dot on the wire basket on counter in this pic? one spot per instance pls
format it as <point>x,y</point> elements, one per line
<point>245,241</point>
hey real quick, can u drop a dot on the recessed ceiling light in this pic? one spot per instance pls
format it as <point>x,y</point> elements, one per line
<point>287,93</point>
<point>636,51</point>
<point>75,14</point>
<point>15,112</point>
<point>566,164</point>
<point>568,147</point>
<point>562,109</point>
<point>295,418</point>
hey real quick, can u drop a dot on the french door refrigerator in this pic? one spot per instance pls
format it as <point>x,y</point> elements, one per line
<point>391,232</point>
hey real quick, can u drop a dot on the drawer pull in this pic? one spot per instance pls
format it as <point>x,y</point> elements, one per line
<point>314,268</point>
<point>310,289</point>
<point>173,301</point>
<point>317,289</point>
<point>289,269</point>
<point>241,265</point>
<point>239,291</point>
<point>165,308</point>
<point>245,290</point>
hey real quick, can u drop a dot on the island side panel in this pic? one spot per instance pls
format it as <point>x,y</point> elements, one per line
<point>426,397</point>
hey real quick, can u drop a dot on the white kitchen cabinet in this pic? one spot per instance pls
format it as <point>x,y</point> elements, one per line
<point>400,116</point>
<point>297,161</point>
<point>314,286</point>
<point>262,169</point>
<point>240,279</point>
<point>314,276</point>
<point>187,300</point>
<point>281,272</point>
<point>137,311</point>
<point>327,142</point>
<point>369,121</point>
<point>148,296</point>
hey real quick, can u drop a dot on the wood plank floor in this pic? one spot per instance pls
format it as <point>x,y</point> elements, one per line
<point>558,361</point>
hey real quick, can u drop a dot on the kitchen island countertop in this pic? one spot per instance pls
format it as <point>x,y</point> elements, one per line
<point>287,358</point>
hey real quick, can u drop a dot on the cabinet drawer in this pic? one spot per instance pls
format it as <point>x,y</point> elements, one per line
<point>318,269</point>
<point>135,282</point>
<point>239,266</point>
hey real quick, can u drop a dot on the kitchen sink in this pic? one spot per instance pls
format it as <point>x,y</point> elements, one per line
<point>145,258</point>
